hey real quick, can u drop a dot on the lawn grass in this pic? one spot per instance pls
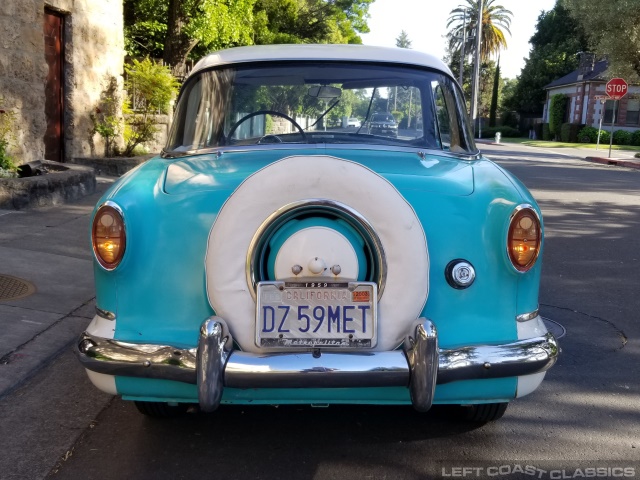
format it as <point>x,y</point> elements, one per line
<point>549,144</point>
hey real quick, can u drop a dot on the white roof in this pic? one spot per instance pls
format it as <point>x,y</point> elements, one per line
<point>352,53</point>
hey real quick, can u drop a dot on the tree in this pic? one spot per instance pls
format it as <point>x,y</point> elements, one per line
<point>554,47</point>
<point>495,21</point>
<point>613,30</point>
<point>178,29</point>
<point>494,96</point>
<point>557,108</point>
<point>213,24</point>
<point>402,41</point>
<point>172,29</point>
<point>310,21</point>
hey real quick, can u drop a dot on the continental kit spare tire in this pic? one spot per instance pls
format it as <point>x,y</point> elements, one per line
<point>315,212</point>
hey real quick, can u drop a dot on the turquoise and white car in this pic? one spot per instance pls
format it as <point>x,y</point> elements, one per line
<point>267,257</point>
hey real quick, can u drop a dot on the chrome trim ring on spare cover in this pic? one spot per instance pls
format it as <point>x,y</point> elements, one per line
<point>320,206</point>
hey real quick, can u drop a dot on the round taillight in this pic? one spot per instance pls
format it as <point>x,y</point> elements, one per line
<point>524,239</point>
<point>108,236</point>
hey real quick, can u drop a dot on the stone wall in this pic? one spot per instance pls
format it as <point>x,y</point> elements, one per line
<point>93,49</point>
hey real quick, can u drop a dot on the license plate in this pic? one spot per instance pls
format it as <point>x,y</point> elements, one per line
<point>317,314</point>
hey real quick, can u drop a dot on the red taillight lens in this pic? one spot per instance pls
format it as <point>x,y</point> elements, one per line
<point>524,239</point>
<point>108,237</point>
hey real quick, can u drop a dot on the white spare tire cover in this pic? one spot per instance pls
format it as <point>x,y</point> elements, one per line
<point>299,178</point>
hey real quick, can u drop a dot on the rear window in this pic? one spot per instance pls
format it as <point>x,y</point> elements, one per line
<point>312,102</point>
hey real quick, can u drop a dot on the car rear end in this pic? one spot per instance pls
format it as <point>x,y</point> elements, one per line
<point>268,259</point>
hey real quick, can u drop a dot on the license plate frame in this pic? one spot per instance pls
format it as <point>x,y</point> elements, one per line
<point>288,312</point>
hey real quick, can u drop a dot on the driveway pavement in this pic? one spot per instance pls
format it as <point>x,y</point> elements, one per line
<point>45,251</point>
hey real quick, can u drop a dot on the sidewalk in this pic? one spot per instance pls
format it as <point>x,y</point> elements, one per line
<point>620,162</point>
<point>47,251</point>
<point>620,158</point>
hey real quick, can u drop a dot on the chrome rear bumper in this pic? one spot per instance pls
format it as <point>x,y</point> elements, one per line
<point>213,365</point>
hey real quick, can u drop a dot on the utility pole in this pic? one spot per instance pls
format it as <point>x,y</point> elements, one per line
<point>476,67</point>
<point>464,40</point>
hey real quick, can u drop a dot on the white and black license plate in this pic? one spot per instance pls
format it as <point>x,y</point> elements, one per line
<point>316,314</point>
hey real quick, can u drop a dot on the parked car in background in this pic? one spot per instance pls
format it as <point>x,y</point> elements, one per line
<point>262,259</point>
<point>354,122</point>
<point>383,124</point>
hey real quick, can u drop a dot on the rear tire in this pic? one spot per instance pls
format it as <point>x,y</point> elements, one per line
<point>484,412</point>
<point>161,409</point>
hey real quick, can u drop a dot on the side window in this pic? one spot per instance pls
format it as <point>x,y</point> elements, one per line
<point>449,123</point>
<point>410,115</point>
<point>442,116</point>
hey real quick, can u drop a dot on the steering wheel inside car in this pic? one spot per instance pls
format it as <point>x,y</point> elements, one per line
<point>235,126</point>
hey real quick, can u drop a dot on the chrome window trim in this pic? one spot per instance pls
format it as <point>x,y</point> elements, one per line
<point>422,152</point>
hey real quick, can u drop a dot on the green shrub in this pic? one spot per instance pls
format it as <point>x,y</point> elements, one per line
<point>510,119</point>
<point>546,132</point>
<point>7,137</point>
<point>588,135</point>
<point>505,131</point>
<point>635,138</point>
<point>622,137</point>
<point>573,132</point>
<point>7,167</point>
<point>106,117</point>
<point>556,114</point>
<point>604,137</point>
<point>154,87</point>
<point>569,132</point>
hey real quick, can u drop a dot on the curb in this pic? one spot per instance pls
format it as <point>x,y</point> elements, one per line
<point>619,162</point>
<point>486,141</point>
<point>62,184</point>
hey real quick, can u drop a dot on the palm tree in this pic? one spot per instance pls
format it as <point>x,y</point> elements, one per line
<point>495,21</point>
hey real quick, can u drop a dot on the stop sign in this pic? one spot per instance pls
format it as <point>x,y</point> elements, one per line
<point>617,88</point>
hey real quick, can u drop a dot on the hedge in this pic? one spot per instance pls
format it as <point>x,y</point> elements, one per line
<point>546,132</point>
<point>569,132</point>
<point>622,137</point>
<point>504,130</point>
<point>557,107</point>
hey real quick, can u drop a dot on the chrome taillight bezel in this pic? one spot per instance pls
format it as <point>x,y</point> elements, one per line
<point>515,214</point>
<point>114,208</point>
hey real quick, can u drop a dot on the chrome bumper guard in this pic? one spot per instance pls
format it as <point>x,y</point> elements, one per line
<point>213,365</point>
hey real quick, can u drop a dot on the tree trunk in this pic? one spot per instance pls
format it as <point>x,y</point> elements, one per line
<point>494,97</point>
<point>177,44</point>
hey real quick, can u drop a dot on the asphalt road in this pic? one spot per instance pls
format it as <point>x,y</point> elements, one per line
<point>585,415</point>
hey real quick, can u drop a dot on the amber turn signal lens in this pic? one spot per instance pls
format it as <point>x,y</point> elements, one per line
<point>108,237</point>
<point>524,239</point>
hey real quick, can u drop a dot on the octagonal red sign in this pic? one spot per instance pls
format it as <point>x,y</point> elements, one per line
<point>617,88</point>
